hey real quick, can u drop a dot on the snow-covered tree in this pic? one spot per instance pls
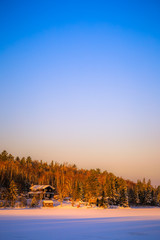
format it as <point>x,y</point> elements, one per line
<point>34,202</point>
<point>12,193</point>
<point>136,195</point>
<point>148,195</point>
<point>124,196</point>
<point>112,194</point>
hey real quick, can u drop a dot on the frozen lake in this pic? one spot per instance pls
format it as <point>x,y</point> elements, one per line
<point>79,224</point>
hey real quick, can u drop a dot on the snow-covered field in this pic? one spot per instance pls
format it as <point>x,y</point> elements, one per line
<point>80,223</point>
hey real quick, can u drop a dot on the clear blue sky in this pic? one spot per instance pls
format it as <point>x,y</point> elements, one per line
<point>80,83</point>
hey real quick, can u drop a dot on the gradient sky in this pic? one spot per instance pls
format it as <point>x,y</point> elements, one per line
<point>80,83</point>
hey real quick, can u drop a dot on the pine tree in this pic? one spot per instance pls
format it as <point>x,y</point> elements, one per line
<point>158,199</point>
<point>124,196</point>
<point>142,191</point>
<point>12,194</point>
<point>154,197</point>
<point>157,192</point>
<point>102,201</point>
<point>4,156</point>
<point>81,193</point>
<point>112,194</point>
<point>136,195</point>
<point>148,195</point>
<point>34,202</point>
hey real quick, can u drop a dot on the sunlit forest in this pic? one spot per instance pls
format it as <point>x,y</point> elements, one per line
<point>17,175</point>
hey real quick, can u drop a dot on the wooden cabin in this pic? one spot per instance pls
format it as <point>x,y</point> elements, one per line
<point>47,203</point>
<point>41,191</point>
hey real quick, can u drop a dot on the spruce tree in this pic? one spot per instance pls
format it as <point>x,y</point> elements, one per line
<point>81,193</point>
<point>154,197</point>
<point>112,192</point>
<point>34,202</point>
<point>124,196</point>
<point>12,194</point>
<point>158,199</point>
<point>136,195</point>
<point>148,195</point>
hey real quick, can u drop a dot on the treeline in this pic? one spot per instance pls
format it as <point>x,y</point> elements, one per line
<point>93,186</point>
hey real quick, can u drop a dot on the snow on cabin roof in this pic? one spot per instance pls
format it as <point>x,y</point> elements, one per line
<point>47,201</point>
<point>40,187</point>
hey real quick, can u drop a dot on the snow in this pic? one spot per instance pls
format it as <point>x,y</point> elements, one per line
<point>48,201</point>
<point>82,223</point>
<point>40,187</point>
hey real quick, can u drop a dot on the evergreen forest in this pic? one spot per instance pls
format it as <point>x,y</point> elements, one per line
<point>102,187</point>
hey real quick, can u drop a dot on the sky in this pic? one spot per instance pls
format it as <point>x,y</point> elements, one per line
<point>80,83</point>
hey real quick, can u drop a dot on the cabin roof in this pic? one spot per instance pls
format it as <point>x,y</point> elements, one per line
<point>47,201</point>
<point>40,187</point>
